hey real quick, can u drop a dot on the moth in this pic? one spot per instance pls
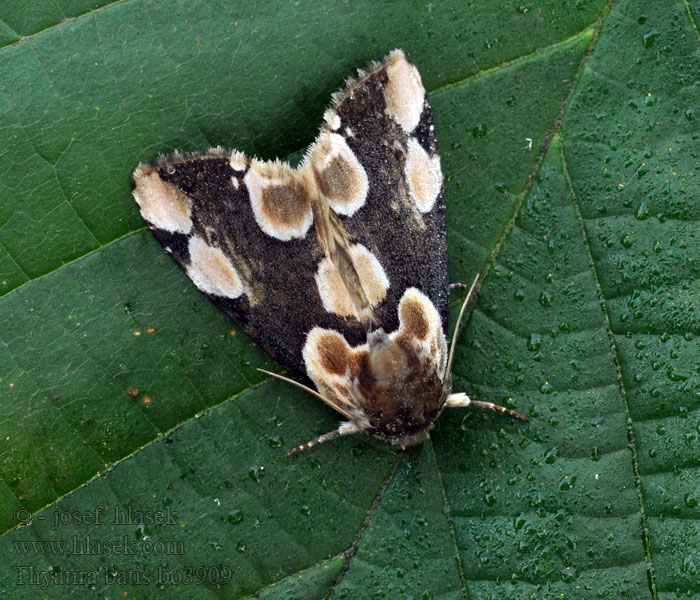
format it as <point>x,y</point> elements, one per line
<point>337,268</point>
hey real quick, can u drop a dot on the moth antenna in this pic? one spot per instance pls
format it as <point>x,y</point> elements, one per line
<point>461,400</point>
<point>448,369</point>
<point>309,390</point>
<point>344,429</point>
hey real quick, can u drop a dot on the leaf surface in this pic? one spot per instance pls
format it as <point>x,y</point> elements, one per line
<point>141,452</point>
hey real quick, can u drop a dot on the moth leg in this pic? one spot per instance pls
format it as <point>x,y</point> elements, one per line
<point>461,285</point>
<point>344,429</point>
<point>461,400</point>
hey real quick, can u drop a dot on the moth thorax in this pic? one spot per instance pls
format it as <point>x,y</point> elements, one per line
<point>388,361</point>
<point>405,394</point>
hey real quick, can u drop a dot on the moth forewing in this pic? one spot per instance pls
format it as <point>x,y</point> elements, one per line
<point>337,268</point>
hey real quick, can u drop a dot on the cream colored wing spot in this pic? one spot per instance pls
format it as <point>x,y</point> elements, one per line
<point>372,274</point>
<point>331,289</point>
<point>238,161</point>
<point>327,352</point>
<point>334,366</point>
<point>163,204</point>
<point>404,93</point>
<point>420,325</point>
<point>413,317</point>
<point>280,200</point>
<point>418,315</point>
<point>332,119</point>
<point>211,270</point>
<point>340,176</point>
<point>424,176</point>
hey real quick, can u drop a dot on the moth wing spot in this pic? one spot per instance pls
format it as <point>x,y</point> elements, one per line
<point>280,200</point>
<point>211,270</point>
<point>424,176</point>
<point>404,93</point>
<point>234,182</point>
<point>334,353</point>
<point>238,161</point>
<point>332,119</point>
<point>339,174</point>
<point>162,203</point>
<point>413,318</point>
<point>330,363</point>
<point>420,326</point>
<point>334,295</point>
<point>372,275</point>
<point>418,314</point>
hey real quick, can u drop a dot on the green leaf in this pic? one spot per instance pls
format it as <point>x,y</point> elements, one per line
<point>142,454</point>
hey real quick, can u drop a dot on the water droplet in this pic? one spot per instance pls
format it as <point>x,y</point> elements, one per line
<point>256,473</point>
<point>479,131</point>
<point>690,501</point>
<point>275,441</point>
<point>643,211</point>
<point>546,299</point>
<point>501,187</point>
<point>690,114</point>
<point>534,343</point>
<point>305,510</point>
<point>170,169</point>
<point>675,375</point>
<point>550,456</point>
<point>241,546</point>
<point>650,37</point>
<point>567,482</point>
<point>235,516</point>
<point>519,295</point>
